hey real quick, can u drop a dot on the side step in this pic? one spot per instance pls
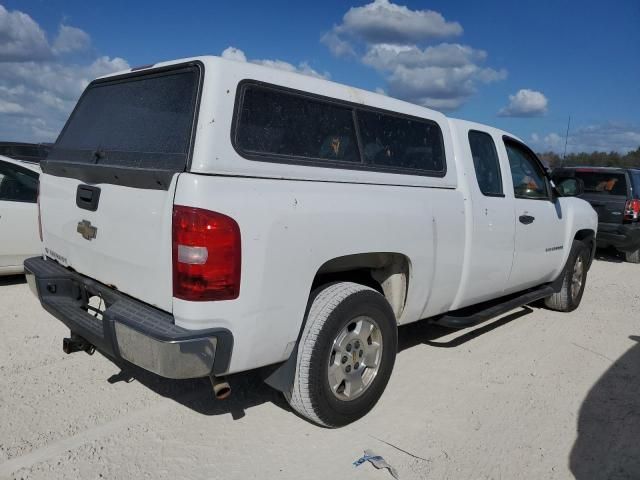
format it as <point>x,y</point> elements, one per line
<point>470,316</point>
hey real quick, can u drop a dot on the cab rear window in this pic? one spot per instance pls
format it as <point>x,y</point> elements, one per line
<point>144,121</point>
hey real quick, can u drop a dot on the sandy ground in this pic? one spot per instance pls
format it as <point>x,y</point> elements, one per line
<point>533,395</point>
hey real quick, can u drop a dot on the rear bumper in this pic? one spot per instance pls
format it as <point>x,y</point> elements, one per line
<point>624,237</point>
<point>129,329</point>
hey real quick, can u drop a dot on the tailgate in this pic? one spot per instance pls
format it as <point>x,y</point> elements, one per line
<point>125,242</point>
<point>106,193</point>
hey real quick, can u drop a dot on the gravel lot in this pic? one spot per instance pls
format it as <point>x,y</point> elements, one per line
<point>534,394</point>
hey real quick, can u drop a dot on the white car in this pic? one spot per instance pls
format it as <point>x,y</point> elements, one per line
<point>19,238</point>
<point>205,217</point>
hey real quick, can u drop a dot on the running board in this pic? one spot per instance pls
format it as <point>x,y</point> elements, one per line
<point>470,316</point>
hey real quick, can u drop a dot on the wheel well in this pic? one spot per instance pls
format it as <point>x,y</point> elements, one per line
<point>388,273</point>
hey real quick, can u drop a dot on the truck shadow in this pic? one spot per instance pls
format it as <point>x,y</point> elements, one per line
<point>12,280</point>
<point>608,443</point>
<point>609,255</point>
<point>427,333</point>
<point>249,390</point>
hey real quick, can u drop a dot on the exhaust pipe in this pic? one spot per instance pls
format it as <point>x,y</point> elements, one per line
<point>221,388</point>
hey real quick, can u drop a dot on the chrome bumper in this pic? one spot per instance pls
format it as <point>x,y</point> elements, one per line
<point>128,329</point>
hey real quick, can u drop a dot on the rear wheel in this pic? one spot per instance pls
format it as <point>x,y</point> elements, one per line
<point>345,356</point>
<point>573,283</point>
<point>632,257</point>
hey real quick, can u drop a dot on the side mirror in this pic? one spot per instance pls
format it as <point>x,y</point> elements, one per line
<point>570,187</point>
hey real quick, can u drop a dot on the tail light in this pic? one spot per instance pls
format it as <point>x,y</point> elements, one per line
<point>206,255</point>
<point>39,217</point>
<point>632,210</point>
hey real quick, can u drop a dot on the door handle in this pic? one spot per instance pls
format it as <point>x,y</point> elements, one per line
<point>526,219</point>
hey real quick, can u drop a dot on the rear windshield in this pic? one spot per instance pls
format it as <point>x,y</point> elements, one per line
<point>604,183</point>
<point>142,122</point>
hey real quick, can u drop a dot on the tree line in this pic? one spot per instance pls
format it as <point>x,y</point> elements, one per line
<point>600,159</point>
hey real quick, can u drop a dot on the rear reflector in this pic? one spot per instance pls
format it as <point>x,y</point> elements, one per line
<point>206,255</point>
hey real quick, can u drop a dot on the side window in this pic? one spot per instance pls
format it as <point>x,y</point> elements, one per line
<point>486,163</point>
<point>400,142</point>
<point>274,122</point>
<point>529,180</point>
<point>17,184</point>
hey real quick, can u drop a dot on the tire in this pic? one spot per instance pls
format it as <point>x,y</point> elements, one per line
<point>568,298</point>
<point>632,257</point>
<point>333,311</point>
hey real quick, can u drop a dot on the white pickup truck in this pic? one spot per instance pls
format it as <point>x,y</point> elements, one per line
<point>204,217</point>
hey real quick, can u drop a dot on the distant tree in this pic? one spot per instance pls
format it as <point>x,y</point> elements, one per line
<point>601,159</point>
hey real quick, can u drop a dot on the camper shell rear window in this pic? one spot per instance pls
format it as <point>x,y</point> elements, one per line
<point>143,120</point>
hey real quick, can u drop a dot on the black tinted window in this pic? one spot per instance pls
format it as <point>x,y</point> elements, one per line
<point>636,184</point>
<point>26,151</point>
<point>604,183</point>
<point>274,122</point>
<point>140,122</point>
<point>486,163</point>
<point>17,184</point>
<point>529,180</point>
<point>400,142</point>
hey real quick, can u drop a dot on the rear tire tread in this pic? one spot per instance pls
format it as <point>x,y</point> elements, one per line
<point>300,397</point>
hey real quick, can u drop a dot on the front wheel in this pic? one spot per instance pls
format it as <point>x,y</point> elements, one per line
<point>345,356</point>
<point>573,282</point>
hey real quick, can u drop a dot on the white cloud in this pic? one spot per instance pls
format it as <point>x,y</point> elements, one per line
<point>71,39</point>
<point>525,103</point>
<point>46,93</point>
<point>337,46</point>
<point>388,56</point>
<point>21,38</point>
<point>553,141</point>
<point>393,39</point>
<point>441,76</point>
<point>10,107</point>
<point>606,137</point>
<point>384,22</point>
<point>232,53</point>
<point>443,88</point>
<point>38,85</point>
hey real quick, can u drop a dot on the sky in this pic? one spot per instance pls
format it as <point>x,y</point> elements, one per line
<point>521,66</point>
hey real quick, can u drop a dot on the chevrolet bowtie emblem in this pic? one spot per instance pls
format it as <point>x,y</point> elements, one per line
<point>86,230</point>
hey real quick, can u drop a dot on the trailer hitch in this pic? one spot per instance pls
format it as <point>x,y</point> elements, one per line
<point>77,344</point>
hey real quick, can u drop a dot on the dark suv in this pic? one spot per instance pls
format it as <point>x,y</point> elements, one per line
<point>615,194</point>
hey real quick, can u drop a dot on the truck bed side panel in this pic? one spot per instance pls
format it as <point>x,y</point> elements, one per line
<point>291,228</point>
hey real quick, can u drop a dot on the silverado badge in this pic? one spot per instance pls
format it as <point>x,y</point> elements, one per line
<point>86,230</point>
